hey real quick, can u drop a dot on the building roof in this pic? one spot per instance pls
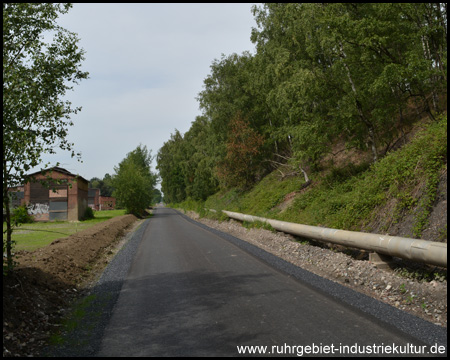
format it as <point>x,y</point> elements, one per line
<point>58,169</point>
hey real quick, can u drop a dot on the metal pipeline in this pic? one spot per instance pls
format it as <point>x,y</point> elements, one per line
<point>428,252</point>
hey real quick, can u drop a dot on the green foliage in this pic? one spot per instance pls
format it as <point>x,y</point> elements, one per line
<point>261,200</point>
<point>105,185</point>
<point>443,233</point>
<point>240,165</point>
<point>75,320</point>
<point>344,202</point>
<point>421,274</point>
<point>20,216</point>
<point>258,225</point>
<point>36,76</point>
<point>191,205</point>
<point>403,169</point>
<point>339,175</point>
<point>88,214</point>
<point>157,196</point>
<point>347,197</point>
<point>322,73</point>
<point>186,164</point>
<point>134,182</point>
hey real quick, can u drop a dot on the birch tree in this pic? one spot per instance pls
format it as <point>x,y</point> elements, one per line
<point>37,73</point>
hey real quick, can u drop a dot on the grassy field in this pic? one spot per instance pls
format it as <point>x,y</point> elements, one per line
<point>39,234</point>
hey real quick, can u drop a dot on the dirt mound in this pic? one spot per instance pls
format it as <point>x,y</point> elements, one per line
<point>47,280</point>
<point>70,259</point>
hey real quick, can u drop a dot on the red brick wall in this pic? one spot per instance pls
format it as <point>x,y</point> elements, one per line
<point>107,203</point>
<point>75,191</point>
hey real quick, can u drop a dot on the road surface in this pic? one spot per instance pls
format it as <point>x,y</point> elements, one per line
<point>190,292</point>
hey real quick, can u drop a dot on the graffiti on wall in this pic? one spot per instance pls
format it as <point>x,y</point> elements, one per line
<point>38,209</point>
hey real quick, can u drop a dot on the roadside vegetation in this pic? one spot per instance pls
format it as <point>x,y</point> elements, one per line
<point>349,196</point>
<point>38,71</point>
<point>317,126</point>
<point>134,182</point>
<point>31,236</point>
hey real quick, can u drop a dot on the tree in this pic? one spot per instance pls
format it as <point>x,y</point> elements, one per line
<point>227,91</point>
<point>239,167</point>
<point>134,181</point>
<point>36,76</point>
<point>157,196</point>
<point>95,183</point>
<point>170,159</point>
<point>198,166</point>
<point>186,163</point>
<point>105,185</point>
<point>107,188</point>
<point>347,70</point>
<point>323,73</point>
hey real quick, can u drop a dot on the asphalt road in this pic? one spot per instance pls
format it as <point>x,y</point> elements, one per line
<point>191,292</point>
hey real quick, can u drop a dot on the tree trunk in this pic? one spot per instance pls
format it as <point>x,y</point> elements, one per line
<point>366,121</point>
<point>276,142</point>
<point>6,205</point>
<point>304,174</point>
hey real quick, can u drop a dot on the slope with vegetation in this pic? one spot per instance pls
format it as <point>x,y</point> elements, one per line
<point>326,102</point>
<point>405,183</point>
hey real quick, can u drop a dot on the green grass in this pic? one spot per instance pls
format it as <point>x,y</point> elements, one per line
<point>260,200</point>
<point>73,321</point>
<point>349,202</point>
<point>39,234</point>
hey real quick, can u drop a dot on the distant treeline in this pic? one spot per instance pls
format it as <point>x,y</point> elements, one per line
<point>357,73</point>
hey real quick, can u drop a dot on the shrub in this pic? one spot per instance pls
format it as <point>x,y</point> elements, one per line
<point>20,216</point>
<point>88,213</point>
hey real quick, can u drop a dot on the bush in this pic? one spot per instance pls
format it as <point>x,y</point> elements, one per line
<point>88,214</point>
<point>20,215</point>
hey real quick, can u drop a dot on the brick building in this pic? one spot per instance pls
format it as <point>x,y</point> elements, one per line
<point>98,202</point>
<point>16,195</point>
<point>67,201</point>
<point>107,203</point>
<point>94,199</point>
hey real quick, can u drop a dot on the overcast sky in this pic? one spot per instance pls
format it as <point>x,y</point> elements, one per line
<point>146,65</point>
